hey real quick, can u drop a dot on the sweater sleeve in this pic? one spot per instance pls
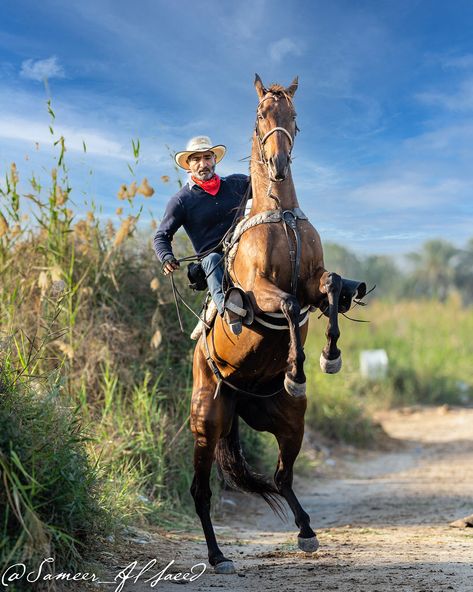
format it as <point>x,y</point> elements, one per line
<point>173,219</point>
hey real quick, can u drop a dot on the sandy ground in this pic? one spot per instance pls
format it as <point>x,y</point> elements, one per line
<point>382,520</point>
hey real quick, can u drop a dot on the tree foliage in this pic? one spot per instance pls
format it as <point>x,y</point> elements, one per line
<point>436,270</point>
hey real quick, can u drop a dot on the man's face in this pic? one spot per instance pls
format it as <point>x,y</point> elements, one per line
<point>202,165</point>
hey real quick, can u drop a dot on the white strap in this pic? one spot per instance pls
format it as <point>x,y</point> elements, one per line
<point>279,328</point>
<point>276,129</point>
<point>280,315</point>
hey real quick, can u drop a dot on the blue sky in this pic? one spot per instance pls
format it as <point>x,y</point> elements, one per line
<point>385,102</point>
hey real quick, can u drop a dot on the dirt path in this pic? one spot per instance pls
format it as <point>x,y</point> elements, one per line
<point>382,520</point>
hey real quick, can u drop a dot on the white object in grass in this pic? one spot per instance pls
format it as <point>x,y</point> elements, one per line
<point>374,363</point>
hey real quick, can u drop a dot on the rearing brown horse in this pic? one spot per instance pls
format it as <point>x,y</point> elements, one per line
<point>279,264</point>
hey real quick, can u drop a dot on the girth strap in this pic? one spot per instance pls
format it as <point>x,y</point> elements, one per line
<point>278,321</point>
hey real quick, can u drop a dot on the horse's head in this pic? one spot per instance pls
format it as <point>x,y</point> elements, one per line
<point>275,127</point>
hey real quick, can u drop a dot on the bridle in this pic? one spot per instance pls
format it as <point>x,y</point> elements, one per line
<point>262,139</point>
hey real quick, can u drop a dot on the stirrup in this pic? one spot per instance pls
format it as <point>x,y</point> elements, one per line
<point>234,311</point>
<point>237,297</point>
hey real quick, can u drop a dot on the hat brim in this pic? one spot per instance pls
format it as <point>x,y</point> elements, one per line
<point>181,157</point>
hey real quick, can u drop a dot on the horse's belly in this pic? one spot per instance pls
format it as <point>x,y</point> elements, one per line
<point>254,354</point>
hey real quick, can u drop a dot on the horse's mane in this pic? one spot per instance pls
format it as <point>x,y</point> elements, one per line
<point>276,88</point>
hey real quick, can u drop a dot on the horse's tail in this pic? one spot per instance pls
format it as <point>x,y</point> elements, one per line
<point>239,475</point>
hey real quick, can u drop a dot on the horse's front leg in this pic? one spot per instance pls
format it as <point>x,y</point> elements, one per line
<point>270,298</point>
<point>331,357</point>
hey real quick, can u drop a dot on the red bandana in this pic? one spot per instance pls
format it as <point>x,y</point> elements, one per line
<point>211,186</point>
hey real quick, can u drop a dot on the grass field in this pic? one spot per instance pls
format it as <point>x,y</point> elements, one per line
<point>429,352</point>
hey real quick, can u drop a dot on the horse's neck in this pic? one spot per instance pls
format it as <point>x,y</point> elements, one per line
<point>284,191</point>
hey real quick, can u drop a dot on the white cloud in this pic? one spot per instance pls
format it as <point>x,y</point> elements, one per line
<point>461,62</point>
<point>442,141</point>
<point>27,130</point>
<point>412,192</point>
<point>285,46</point>
<point>460,100</point>
<point>42,69</point>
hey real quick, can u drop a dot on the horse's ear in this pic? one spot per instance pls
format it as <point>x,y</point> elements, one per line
<point>292,89</point>
<point>260,90</point>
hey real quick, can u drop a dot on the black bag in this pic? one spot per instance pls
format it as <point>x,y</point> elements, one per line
<point>196,277</point>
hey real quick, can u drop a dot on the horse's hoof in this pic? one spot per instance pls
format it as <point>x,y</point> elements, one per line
<point>330,366</point>
<point>295,389</point>
<point>225,567</point>
<point>308,545</point>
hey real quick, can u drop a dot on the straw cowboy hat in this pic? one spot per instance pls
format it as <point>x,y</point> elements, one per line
<point>199,144</point>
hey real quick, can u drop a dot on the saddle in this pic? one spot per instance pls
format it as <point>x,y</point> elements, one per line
<point>351,289</point>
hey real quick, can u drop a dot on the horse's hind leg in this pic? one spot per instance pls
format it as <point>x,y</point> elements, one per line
<point>288,450</point>
<point>201,492</point>
<point>210,419</point>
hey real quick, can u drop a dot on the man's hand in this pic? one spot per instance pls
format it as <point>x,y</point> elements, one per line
<point>170,265</point>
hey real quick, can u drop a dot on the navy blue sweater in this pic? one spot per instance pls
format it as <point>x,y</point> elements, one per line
<point>205,218</point>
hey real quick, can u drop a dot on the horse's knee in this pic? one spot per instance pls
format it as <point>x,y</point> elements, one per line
<point>331,283</point>
<point>290,306</point>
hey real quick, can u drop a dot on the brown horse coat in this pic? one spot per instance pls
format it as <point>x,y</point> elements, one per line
<point>262,360</point>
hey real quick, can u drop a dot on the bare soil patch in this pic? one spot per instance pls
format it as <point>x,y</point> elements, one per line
<point>382,518</point>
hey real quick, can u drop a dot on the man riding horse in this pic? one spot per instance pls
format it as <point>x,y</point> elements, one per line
<point>206,207</point>
<point>276,260</point>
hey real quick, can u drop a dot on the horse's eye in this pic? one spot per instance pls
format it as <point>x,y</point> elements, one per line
<point>260,116</point>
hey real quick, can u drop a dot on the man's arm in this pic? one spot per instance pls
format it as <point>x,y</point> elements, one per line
<point>173,219</point>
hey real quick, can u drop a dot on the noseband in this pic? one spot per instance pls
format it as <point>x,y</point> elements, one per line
<point>262,140</point>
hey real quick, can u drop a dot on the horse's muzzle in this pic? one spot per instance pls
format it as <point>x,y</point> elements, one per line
<point>278,167</point>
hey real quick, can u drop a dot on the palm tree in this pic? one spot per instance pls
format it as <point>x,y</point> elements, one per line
<point>464,272</point>
<point>434,269</point>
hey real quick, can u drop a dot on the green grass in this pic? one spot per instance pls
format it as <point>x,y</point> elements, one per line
<point>85,315</point>
<point>429,349</point>
<point>49,499</point>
